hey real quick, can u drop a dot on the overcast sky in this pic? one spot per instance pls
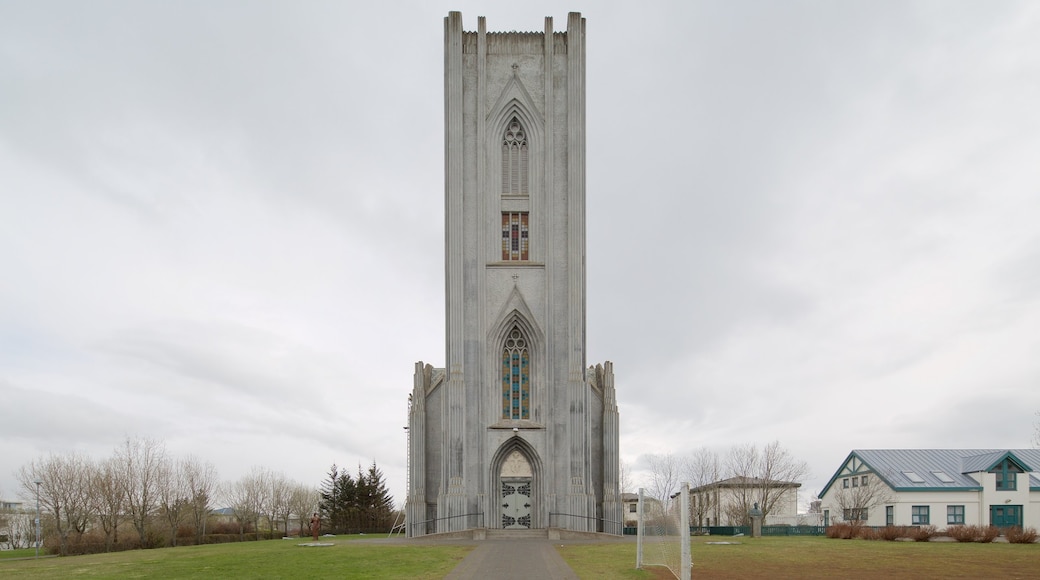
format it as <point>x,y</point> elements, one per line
<point>221,225</point>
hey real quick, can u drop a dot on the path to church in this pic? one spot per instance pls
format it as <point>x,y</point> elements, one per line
<point>511,559</point>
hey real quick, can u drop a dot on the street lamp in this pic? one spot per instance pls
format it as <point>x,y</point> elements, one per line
<point>37,482</point>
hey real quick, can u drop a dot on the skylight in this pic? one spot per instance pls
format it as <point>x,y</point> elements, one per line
<point>913,477</point>
<point>942,476</point>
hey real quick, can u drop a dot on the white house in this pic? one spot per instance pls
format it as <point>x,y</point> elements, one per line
<point>630,509</point>
<point>938,487</point>
<point>728,501</point>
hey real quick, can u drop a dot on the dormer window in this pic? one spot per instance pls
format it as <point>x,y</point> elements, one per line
<point>1007,475</point>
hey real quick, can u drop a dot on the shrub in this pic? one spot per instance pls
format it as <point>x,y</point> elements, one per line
<point>842,531</point>
<point>886,533</point>
<point>988,534</point>
<point>868,533</point>
<point>922,533</point>
<point>893,533</point>
<point>223,528</point>
<point>964,533</point>
<point>1017,535</point>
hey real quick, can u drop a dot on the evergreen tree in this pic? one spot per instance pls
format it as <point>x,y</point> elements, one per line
<point>330,507</point>
<point>347,493</point>
<point>378,504</point>
<point>350,505</point>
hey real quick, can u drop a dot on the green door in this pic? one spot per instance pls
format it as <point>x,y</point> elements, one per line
<point>1005,516</point>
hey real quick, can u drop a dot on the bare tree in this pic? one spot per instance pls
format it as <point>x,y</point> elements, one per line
<point>107,495</point>
<point>760,477</point>
<point>139,461</point>
<point>857,500</point>
<point>665,471</point>
<point>17,529</point>
<point>703,470</point>
<point>624,477</point>
<point>172,496</point>
<point>201,481</point>
<point>65,480</point>
<point>249,498</point>
<point>741,466</point>
<point>778,468</point>
<point>303,502</point>
<point>280,506</point>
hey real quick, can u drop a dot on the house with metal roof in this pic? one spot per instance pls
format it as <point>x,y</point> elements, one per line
<point>938,487</point>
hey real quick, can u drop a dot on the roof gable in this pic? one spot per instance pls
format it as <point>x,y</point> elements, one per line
<point>990,461</point>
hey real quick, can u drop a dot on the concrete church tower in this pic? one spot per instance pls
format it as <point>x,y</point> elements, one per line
<point>515,431</point>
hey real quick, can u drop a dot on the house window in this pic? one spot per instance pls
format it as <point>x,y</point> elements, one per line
<point>514,236</point>
<point>863,481</point>
<point>919,515</point>
<point>890,515</point>
<point>1007,475</point>
<point>855,514</point>
<point>514,159</point>
<point>516,373</point>
<point>845,483</point>
<point>632,508</point>
<point>855,482</point>
<point>954,514</point>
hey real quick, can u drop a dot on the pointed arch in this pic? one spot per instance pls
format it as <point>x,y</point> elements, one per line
<point>517,444</point>
<point>516,172</point>
<point>516,312</point>
<point>515,142</point>
<point>515,107</point>
<point>516,375</point>
<point>516,343</point>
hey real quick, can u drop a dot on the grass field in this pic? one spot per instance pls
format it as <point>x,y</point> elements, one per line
<point>274,559</point>
<point>352,557</point>
<point>779,558</point>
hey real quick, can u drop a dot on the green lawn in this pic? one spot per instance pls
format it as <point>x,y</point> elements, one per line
<point>19,553</point>
<point>775,558</point>
<point>266,559</point>
<point>817,557</point>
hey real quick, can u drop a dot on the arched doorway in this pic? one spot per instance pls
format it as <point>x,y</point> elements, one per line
<point>516,478</point>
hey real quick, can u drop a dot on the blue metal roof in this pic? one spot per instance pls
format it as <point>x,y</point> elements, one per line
<point>938,469</point>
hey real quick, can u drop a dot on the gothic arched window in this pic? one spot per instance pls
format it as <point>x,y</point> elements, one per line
<point>516,377</point>
<point>514,159</point>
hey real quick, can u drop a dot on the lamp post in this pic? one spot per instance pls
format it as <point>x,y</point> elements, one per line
<point>37,482</point>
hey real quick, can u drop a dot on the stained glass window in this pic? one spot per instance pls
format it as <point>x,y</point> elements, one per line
<point>514,236</point>
<point>516,373</point>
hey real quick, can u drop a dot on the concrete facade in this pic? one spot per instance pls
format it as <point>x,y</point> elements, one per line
<point>516,430</point>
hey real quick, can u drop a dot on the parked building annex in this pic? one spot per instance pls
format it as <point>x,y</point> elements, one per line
<point>937,487</point>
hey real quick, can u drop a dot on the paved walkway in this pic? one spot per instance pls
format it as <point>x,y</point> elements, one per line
<point>513,560</point>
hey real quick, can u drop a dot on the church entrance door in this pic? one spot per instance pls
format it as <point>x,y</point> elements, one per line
<point>516,496</point>
<point>516,503</point>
